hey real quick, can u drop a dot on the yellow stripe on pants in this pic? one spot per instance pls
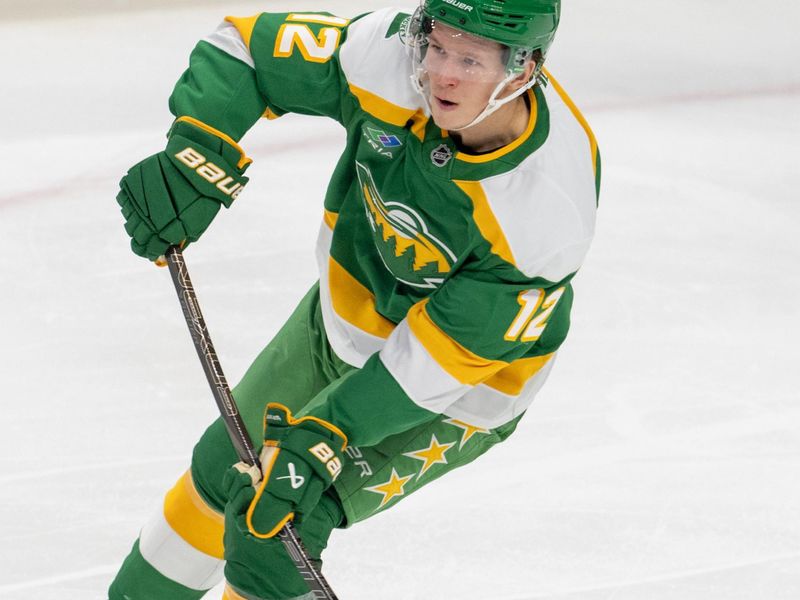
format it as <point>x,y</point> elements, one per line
<point>193,519</point>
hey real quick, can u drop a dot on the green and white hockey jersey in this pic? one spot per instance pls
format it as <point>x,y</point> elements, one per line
<point>444,276</point>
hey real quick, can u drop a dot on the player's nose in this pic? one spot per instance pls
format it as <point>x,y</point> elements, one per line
<point>447,76</point>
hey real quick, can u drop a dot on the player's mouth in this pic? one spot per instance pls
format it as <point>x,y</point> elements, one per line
<point>445,104</point>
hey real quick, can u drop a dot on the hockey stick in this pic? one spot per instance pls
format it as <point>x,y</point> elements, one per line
<point>320,589</point>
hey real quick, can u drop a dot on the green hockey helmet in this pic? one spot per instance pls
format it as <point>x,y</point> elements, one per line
<point>524,29</point>
<point>524,26</point>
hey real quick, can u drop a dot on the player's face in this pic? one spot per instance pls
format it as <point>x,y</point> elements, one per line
<point>462,71</point>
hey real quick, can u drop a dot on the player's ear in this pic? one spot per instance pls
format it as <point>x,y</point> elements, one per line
<point>523,78</point>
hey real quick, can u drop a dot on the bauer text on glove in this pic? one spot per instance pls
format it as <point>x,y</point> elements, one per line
<point>300,459</point>
<point>170,198</point>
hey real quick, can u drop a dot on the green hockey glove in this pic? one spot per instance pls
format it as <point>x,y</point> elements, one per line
<point>300,459</point>
<point>170,198</point>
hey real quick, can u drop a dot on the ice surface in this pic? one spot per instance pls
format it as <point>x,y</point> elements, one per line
<point>658,463</point>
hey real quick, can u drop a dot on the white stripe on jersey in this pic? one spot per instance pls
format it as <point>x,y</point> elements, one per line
<point>486,407</point>
<point>418,373</point>
<point>226,37</point>
<point>431,387</point>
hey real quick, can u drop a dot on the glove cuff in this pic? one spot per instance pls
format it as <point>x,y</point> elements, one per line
<point>211,138</point>
<point>318,443</point>
<point>210,164</point>
<point>277,419</point>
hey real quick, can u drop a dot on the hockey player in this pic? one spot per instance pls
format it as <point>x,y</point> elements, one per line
<point>462,206</point>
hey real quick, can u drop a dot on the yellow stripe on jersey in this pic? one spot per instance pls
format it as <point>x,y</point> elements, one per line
<point>578,115</point>
<point>483,158</point>
<point>512,379</point>
<point>354,303</point>
<point>245,26</point>
<point>192,519</point>
<point>269,115</point>
<point>420,121</point>
<point>462,364</point>
<point>231,594</point>
<point>390,113</point>
<point>486,220</point>
<point>330,218</point>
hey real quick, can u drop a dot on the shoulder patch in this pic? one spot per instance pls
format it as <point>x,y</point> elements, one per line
<point>397,25</point>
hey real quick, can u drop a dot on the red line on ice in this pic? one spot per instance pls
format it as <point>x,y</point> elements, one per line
<point>791,89</point>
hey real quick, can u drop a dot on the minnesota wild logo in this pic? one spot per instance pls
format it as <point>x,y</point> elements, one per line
<point>406,246</point>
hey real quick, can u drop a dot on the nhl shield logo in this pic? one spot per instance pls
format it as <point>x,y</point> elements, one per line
<point>441,155</point>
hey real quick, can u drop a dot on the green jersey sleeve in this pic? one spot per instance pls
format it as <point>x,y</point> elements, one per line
<point>264,66</point>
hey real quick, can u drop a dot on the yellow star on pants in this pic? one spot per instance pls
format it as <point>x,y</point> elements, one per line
<point>432,455</point>
<point>469,430</point>
<point>392,488</point>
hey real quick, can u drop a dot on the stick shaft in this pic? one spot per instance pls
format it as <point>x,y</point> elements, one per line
<point>234,424</point>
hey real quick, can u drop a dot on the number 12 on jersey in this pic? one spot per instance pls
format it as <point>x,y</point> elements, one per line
<point>534,314</point>
<point>298,34</point>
